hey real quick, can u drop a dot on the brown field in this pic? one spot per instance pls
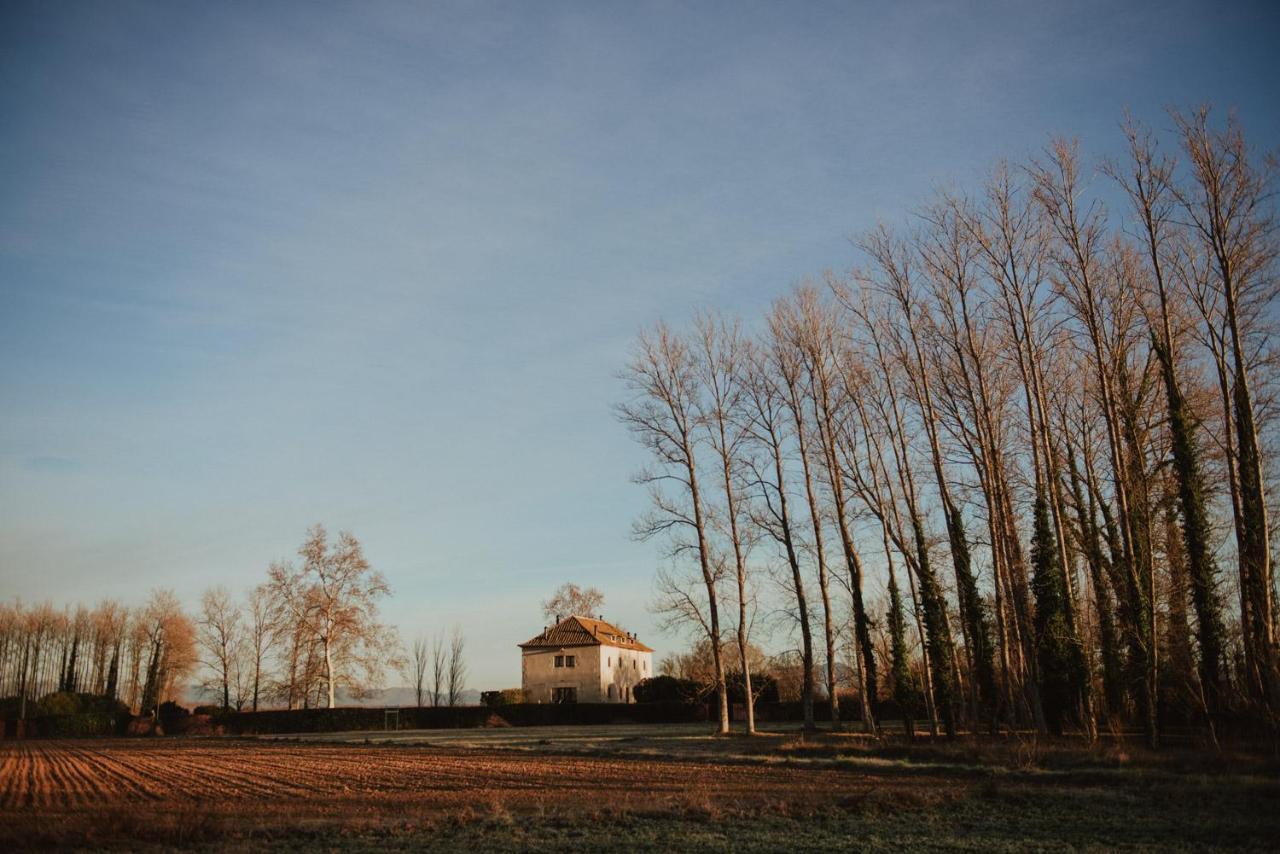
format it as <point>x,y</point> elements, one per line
<point>659,792</point>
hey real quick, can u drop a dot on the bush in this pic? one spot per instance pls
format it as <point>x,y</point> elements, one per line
<point>171,716</point>
<point>668,689</point>
<point>69,703</point>
<point>65,714</point>
<point>59,703</point>
<point>793,710</point>
<point>81,725</point>
<point>505,697</point>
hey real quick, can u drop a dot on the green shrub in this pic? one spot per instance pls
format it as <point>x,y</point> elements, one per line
<point>69,703</point>
<point>81,725</point>
<point>60,703</point>
<point>65,714</point>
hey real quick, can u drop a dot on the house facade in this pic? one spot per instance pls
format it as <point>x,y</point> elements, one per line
<point>583,660</point>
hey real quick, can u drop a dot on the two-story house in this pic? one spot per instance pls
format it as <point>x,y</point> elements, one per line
<point>583,660</point>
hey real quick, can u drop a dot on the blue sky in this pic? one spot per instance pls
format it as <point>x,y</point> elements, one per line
<point>377,264</point>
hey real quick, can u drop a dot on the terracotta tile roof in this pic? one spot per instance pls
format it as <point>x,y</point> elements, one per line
<point>584,631</point>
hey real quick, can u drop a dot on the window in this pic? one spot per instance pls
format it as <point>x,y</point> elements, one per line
<point>610,692</point>
<point>608,662</point>
<point>633,664</point>
<point>569,661</point>
<point>559,661</point>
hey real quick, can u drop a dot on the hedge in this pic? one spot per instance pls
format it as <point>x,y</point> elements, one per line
<point>82,725</point>
<point>458,717</point>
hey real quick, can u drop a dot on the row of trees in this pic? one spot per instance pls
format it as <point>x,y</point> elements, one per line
<point>1040,425</point>
<point>438,669</point>
<point>307,632</point>
<point>138,656</point>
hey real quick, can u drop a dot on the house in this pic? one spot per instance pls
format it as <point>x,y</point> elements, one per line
<point>583,660</point>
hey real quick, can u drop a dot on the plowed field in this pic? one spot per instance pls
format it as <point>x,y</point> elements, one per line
<point>176,791</point>
<point>69,775</point>
<point>236,794</point>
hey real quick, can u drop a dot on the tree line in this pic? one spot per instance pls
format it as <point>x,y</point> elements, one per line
<point>138,656</point>
<point>308,631</point>
<point>1013,469</point>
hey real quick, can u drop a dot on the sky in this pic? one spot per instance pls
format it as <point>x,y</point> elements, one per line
<point>378,265</point>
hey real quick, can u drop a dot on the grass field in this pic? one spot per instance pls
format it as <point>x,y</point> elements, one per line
<point>627,788</point>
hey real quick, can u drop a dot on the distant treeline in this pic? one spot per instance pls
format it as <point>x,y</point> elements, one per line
<point>293,640</point>
<point>139,656</point>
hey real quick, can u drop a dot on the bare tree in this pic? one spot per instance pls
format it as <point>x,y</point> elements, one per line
<point>335,595</point>
<point>1228,203</point>
<point>720,357</point>
<point>885,417</point>
<point>219,633</point>
<point>664,416</point>
<point>948,257</point>
<point>261,632</point>
<point>167,641</point>
<point>822,352</point>
<point>767,481</point>
<point>439,669</point>
<point>1078,256</point>
<point>570,599</point>
<point>790,372</point>
<point>1148,179</point>
<point>457,666</point>
<point>419,658</point>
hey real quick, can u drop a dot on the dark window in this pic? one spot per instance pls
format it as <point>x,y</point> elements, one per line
<point>569,661</point>
<point>564,695</point>
<point>559,661</point>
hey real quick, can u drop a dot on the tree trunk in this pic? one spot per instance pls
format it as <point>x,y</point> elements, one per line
<point>328,671</point>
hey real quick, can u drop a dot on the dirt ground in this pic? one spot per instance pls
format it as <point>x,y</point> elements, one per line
<point>634,788</point>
